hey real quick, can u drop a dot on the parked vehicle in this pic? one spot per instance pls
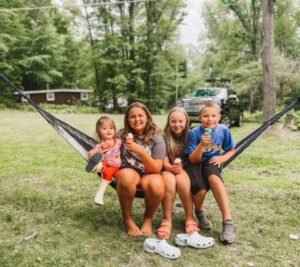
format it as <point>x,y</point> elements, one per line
<point>219,90</point>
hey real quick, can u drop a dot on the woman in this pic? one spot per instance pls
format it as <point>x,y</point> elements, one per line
<point>142,158</point>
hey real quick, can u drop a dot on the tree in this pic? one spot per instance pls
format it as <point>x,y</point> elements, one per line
<point>131,42</point>
<point>269,92</point>
<point>231,34</point>
<point>248,15</point>
<point>37,47</point>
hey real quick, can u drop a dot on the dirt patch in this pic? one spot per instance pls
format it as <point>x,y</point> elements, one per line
<point>283,133</point>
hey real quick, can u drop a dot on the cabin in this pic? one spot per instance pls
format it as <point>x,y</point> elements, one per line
<point>58,96</point>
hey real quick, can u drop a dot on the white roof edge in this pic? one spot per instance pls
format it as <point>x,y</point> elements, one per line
<point>57,91</point>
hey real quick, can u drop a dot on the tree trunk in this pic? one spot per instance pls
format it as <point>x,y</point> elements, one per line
<point>131,87</point>
<point>149,61</point>
<point>269,91</point>
<point>96,69</point>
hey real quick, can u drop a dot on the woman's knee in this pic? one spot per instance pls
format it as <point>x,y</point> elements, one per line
<point>183,181</point>
<point>127,177</point>
<point>155,186</point>
<point>169,180</point>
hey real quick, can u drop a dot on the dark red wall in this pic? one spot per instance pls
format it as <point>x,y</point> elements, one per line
<point>60,98</point>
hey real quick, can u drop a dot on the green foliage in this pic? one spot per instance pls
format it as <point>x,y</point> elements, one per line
<point>81,107</point>
<point>36,47</point>
<point>131,50</point>
<point>132,60</point>
<point>255,117</point>
<point>234,51</point>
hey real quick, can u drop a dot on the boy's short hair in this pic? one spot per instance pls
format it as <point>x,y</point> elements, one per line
<point>209,104</point>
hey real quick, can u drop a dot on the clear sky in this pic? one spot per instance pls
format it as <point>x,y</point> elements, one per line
<point>192,25</point>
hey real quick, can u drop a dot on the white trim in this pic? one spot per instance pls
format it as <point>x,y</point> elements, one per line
<point>84,96</point>
<point>57,91</point>
<point>50,96</point>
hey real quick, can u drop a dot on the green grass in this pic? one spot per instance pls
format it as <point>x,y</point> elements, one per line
<point>46,194</point>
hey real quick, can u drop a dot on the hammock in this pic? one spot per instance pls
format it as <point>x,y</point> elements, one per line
<point>84,143</point>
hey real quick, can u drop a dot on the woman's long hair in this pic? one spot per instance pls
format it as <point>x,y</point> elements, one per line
<point>151,127</point>
<point>171,139</point>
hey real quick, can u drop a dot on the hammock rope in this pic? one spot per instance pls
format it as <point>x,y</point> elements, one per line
<point>84,143</point>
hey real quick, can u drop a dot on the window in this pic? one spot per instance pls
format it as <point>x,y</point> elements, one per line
<point>24,100</point>
<point>50,96</point>
<point>84,96</point>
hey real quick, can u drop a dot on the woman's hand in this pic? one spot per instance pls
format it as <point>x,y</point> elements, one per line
<point>134,147</point>
<point>176,169</point>
<point>172,168</point>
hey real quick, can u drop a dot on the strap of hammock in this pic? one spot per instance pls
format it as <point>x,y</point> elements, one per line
<point>79,140</point>
<point>249,139</point>
<point>83,143</point>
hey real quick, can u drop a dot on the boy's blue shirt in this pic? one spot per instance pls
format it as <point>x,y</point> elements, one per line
<point>222,141</point>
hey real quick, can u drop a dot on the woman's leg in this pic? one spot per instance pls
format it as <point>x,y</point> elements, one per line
<point>154,189</point>
<point>170,195</point>
<point>128,179</point>
<point>165,228</point>
<point>183,185</point>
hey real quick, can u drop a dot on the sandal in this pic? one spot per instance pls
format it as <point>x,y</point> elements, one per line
<point>164,230</point>
<point>194,240</point>
<point>162,248</point>
<point>191,226</point>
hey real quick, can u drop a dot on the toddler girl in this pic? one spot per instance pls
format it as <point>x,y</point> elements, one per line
<point>105,157</point>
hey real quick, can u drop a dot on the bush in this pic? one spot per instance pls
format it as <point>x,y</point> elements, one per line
<point>51,108</point>
<point>256,117</point>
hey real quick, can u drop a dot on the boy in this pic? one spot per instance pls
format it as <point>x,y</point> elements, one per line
<point>205,160</point>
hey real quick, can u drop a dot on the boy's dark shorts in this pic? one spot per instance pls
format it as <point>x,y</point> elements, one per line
<point>199,173</point>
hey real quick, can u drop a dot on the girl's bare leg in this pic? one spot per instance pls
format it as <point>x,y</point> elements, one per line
<point>154,189</point>
<point>185,195</point>
<point>128,180</point>
<point>170,195</point>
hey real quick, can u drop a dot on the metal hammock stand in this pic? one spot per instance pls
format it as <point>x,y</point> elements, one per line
<point>83,143</point>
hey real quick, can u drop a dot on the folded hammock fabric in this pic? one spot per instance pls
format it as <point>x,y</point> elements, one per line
<point>84,143</point>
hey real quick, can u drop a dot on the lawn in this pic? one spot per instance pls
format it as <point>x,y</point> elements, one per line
<point>48,217</point>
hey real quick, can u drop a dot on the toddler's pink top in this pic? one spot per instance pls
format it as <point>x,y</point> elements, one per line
<point>111,155</point>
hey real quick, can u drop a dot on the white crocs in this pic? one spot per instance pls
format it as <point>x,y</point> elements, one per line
<point>162,248</point>
<point>194,240</point>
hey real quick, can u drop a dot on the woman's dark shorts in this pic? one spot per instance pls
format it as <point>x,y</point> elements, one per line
<point>199,174</point>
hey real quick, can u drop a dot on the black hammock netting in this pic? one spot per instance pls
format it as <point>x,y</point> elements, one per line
<point>83,143</point>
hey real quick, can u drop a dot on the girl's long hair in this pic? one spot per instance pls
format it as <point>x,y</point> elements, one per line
<point>171,139</point>
<point>151,127</point>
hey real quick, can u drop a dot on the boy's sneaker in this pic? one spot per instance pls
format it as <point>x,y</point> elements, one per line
<point>227,236</point>
<point>93,162</point>
<point>204,222</point>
